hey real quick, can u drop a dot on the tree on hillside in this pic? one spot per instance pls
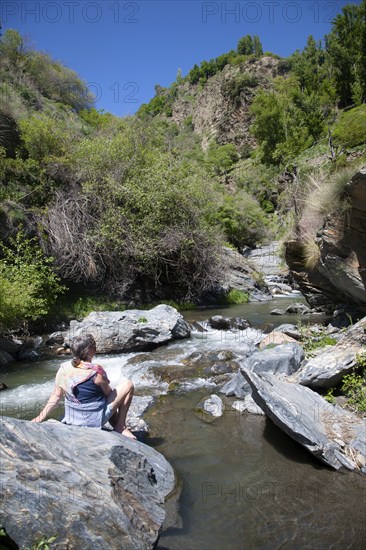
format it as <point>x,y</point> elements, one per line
<point>257,46</point>
<point>308,65</point>
<point>345,46</point>
<point>11,45</point>
<point>245,45</point>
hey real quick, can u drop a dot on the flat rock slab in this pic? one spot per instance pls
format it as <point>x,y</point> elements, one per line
<point>328,368</point>
<point>131,330</point>
<point>330,433</point>
<point>90,488</point>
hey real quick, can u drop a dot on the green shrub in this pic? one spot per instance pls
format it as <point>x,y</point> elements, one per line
<point>28,285</point>
<point>350,129</point>
<point>242,220</point>
<point>44,136</point>
<point>221,158</point>
<point>235,296</point>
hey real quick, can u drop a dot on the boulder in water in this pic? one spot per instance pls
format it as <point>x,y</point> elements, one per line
<point>335,436</point>
<point>132,330</point>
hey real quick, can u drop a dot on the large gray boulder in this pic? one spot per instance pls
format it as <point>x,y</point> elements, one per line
<point>282,360</point>
<point>90,488</point>
<point>328,367</point>
<point>335,436</point>
<point>131,330</point>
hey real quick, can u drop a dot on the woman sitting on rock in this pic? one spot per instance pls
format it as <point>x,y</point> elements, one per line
<point>89,399</point>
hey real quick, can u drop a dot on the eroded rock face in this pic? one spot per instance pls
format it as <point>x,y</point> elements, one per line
<point>335,436</point>
<point>329,366</point>
<point>91,488</point>
<point>132,330</point>
<point>241,275</point>
<point>340,274</point>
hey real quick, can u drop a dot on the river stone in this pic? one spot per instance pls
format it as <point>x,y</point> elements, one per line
<point>90,488</point>
<point>276,338</point>
<point>290,330</point>
<point>132,330</point>
<point>139,406</point>
<point>237,385</point>
<point>5,358</point>
<point>219,322</point>
<point>10,346</point>
<point>329,366</point>
<point>277,312</point>
<point>298,307</point>
<point>210,408</point>
<point>57,337</point>
<point>335,436</point>
<point>247,405</point>
<point>284,359</point>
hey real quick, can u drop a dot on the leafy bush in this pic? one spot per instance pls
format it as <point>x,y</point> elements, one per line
<point>350,129</point>
<point>241,219</point>
<point>221,158</point>
<point>44,136</point>
<point>354,387</point>
<point>139,217</point>
<point>235,296</point>
<point>28,284</point>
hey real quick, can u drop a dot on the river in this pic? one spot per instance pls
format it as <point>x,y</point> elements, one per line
<point>244,484</point>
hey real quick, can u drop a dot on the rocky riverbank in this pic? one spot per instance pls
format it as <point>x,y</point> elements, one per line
<point>87,488</point>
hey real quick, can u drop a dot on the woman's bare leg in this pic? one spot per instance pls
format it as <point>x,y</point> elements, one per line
<point>121,398</point>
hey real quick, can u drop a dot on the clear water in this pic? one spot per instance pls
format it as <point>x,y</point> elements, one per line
<point>245,484</point>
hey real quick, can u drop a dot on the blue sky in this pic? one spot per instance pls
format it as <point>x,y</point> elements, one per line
<point>123,48</point>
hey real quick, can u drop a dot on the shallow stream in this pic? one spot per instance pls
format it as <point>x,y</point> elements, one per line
<point>245,485</point>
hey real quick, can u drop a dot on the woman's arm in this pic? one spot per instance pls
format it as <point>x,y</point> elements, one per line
<point>51,404</point>
<point>99,380</point>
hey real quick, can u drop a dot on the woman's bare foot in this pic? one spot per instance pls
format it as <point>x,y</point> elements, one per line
<point>127,433</point>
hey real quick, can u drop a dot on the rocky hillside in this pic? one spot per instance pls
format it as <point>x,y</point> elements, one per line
<point>219,111</point>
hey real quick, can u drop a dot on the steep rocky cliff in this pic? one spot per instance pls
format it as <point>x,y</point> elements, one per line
<point>220,109</point>
<point>339,276</point>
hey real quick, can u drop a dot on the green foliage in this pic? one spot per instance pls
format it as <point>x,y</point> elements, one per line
<point>286,121</point>
<point>241,219</point>
<point>312,343</point>
<point>350,128</point>
<point>235,296</point>
<point>28,285</point>
<point>329,396</point>
<point>221,158</point>
<point>354,386</point>
<point>248,45</point>
<point>139,214</point>
<point>43,544</point>
<point>43,136</point>
<point>233,87</point>
<point>346,49</point>
<point>142,320</point>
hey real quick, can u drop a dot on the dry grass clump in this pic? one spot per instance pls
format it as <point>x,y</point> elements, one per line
<point>323,196</point>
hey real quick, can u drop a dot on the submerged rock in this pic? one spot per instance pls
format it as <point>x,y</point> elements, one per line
<point>247,405</point>
<point>330,433</point>
<point>90,488</point>
<point>132,330</point>
<point>329,366</point>
<point>210,408</point>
